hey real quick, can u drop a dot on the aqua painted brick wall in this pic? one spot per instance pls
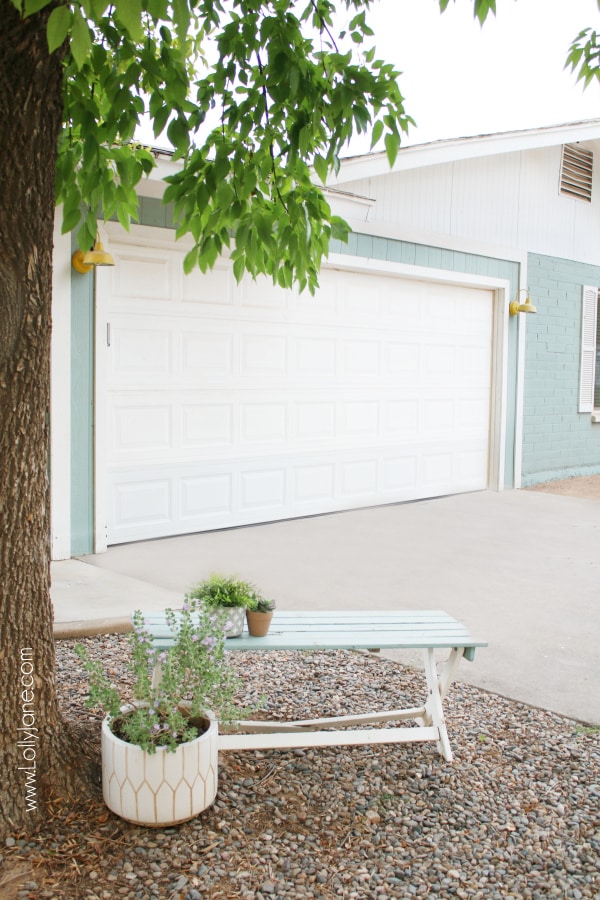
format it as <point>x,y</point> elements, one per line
<point>558,441</point>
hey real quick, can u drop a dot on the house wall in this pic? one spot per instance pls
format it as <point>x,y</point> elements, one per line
<point>153,212</point>
<point>510,200</point>
<point>82,412</point>
<point>558,441</point>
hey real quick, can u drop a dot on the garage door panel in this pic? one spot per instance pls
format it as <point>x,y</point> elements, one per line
<point>213,288</point>
<point>205,497</point>
<point>264,354</point>
<point>154,280</point>
<point>147,502</point>
<point>263,423</point>
<point>314,421</point>
<point>402,361</point>
<point>231,405</point>
<point>206,352</point>
<point>206,425</point>
<point>358,479</point>
<point>141,429</point>
<point>138,352</point>
<point>314,356</point>
<point>399,475</point>
<point>361,357</point>
<point>263,489</point>
<point>313,484</point>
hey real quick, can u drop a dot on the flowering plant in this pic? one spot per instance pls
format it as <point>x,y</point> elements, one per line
<point>195,677</point>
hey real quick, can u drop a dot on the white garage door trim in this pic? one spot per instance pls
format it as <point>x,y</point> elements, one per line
<point>146,237</point>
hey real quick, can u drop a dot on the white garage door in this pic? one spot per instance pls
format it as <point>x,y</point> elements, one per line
<point>231,405</point>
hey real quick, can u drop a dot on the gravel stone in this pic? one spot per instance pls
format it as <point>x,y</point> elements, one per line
<point>514,816</point>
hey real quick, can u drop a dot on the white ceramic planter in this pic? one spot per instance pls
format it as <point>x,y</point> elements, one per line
<point>236,616</point>
<point>161,788</point>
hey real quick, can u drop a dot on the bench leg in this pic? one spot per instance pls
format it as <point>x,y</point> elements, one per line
<point>434,709</point>
<point>449,668</point>
<point>156,675</point>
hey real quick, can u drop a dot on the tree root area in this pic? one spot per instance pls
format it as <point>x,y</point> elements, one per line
<point>50,854</point>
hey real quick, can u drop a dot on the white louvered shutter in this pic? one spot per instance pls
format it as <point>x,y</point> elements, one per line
<point>588,349</point>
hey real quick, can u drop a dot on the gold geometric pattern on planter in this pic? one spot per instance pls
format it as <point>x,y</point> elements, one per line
<point>161,788</point>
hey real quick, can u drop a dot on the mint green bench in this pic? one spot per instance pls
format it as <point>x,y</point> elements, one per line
<point>428,631</point>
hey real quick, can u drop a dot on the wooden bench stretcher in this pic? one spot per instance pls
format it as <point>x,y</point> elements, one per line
<point>427,631</point>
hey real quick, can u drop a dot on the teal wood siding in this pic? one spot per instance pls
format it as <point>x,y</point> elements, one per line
<point>82,412</point>
<point>558,441</point>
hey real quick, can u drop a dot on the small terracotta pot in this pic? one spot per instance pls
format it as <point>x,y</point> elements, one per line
<point>258,622</point>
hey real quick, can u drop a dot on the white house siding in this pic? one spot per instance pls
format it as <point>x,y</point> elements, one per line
<point>510,200</point>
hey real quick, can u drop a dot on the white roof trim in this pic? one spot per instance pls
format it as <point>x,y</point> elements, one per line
<point>438,152</point>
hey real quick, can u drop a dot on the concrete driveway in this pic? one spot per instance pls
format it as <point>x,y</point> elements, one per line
<point>520,568</point>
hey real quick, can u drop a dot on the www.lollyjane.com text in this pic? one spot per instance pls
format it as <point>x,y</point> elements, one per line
<point>27,738</point>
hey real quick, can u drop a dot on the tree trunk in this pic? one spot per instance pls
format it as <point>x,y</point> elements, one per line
<point>33,754</point>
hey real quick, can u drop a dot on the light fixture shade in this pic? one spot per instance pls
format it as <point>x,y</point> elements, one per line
<point>98,256</point>
<point>517,307</point>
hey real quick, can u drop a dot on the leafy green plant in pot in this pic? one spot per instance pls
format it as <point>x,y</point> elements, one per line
<point>160,737</point>
<point>228,596</point>
<point>259,613</point>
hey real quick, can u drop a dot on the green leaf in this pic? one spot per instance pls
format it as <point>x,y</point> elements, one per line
<point>81,40</point>
<point>239,268</point>
<point>181,16</point>
<point>160,120</point>
<point>392,145</point>
<point>321,167</point>
<point>129,13</point>
<point>123,216</point>
<point>483,7</point>
<point>59,23</point>
<point>377,132</point>
<point>33,6</point>
<point>190,260</point>
<point>70,220</point>
<point>225,194</point>
<point>339,229</point>
<point>178,134</point>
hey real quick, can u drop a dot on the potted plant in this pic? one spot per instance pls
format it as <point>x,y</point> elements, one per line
<point>259,612</point>
<point>227,595</point>
<point>160,740</point>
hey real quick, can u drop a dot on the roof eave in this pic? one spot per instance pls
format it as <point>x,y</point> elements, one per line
<point>438,152</point>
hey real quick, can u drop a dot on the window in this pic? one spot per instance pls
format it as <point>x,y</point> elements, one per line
<point>589,381</point>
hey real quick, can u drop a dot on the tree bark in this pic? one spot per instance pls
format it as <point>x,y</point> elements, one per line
<point>34,758</point>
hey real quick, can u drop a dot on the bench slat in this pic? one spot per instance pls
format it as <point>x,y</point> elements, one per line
<point>344,630</point>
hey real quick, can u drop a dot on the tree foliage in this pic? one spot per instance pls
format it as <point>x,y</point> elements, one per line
<point>255,98</point>
<point>584,55</point>
<point>481,8</point>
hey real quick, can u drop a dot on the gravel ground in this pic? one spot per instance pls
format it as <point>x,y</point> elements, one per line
<point>585,486</point>
<point>517,815</point>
